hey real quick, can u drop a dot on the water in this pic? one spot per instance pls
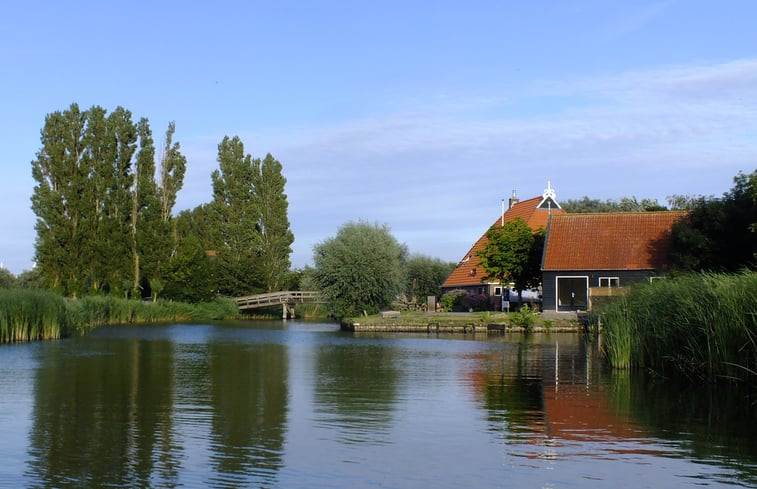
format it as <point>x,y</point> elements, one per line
<point>273,404</point>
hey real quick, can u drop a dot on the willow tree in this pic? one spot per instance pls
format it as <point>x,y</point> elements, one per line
<point>359,269</point>
<point>275,236</point>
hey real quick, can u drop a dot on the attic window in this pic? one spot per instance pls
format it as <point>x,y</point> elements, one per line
<point>609,282</point>
<point>473,272</point>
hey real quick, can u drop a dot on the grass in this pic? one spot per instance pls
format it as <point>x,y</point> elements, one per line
<point>701,325</point>
<point>529,320</point>
<point>28,315</point>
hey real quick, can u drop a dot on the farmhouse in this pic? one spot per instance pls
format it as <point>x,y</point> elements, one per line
<point>588,257</point>
<point>468,275</point>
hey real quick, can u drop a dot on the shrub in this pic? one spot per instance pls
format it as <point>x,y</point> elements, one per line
<point>451,301</point>
<point>474,302</point>
<point>525,317</point>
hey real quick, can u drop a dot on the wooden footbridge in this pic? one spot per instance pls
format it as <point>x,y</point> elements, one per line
<point>286,298</point>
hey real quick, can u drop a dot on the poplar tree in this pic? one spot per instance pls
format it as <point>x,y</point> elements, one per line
<point>275,236</point>
<point>164,238</point>
<point>96,201</point>
<point>145,211</point>
<point>236,213</point>
<point>57,198</point>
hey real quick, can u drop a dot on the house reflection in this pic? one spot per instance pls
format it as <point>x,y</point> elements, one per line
<point>542,392</point>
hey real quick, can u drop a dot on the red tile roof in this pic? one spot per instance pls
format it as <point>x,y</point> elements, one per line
<point>609,241</point>
<point>467,271</point>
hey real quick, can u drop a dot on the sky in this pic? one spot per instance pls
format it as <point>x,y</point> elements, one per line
<point>418,115</point>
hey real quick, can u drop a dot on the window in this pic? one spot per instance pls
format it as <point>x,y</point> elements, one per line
<point>609,282</point>
<point>497,291</point>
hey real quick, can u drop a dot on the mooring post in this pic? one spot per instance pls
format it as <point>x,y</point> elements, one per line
<point>284,310</point>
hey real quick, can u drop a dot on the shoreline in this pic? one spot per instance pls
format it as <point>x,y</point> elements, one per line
<point>462,323</point>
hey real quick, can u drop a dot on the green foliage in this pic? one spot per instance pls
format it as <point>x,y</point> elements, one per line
<point>424,276</point>
<point>625,204</point>
<point>275,236</point>
<point>452,300</point>
<point>27,315</point>
<point>190,275</point>
<point>513,254</point>
<point>30,279</point>
<point>7,279</point>
<point>251,229</point>
<point>525,317</point>
<point>718,234</point>
<point>701,325</point>
<point>235,215</point>
<point>96,202</point>
<point>360,269</point>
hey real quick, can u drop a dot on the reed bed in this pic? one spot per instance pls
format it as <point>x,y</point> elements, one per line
<point>701,325</point>
<point>28,315</point>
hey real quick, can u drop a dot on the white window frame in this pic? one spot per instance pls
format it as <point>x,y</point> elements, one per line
<point>611,282</point>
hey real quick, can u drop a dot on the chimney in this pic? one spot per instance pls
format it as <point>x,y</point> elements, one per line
<point>513,200</point>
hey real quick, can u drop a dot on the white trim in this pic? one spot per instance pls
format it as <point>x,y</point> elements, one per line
<point>609,281</point>
<point>557,290</point>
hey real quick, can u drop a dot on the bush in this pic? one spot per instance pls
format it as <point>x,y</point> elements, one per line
<point>475,302</point>
<point>524,318</point>
<point>452,300</point>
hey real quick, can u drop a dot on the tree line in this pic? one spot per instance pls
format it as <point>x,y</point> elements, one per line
<point>105,223</point>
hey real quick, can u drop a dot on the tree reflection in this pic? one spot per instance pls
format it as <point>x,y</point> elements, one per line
<point>356,391</point>
<point>711,421</point>
<point>249,402</point>
<point>104,417</point>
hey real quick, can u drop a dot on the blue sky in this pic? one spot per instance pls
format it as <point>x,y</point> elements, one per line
<point>419,115</point>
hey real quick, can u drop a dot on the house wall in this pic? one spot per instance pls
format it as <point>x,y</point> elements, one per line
<point>549,283</point>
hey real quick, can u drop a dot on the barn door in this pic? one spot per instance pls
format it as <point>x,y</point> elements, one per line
<point>572,293</point>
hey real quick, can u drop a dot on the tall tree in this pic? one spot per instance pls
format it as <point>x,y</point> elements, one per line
<point>424,276</point>
<point>275,236</point>
<point>237,212</point>
<point>718,234</point>
<point>95,200</point>
<point>163,238</point>
<point>360,269</point>
<point>190,273</point>
<point>57,198</point>
<point>510,254</point>
<point>625,204</point>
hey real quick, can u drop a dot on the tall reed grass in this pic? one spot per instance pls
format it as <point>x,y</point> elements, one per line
<point>701,325</point>
<point>28,315</point>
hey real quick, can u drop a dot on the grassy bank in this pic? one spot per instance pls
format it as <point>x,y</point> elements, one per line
<point>701,325</point>
<point>28,315</point>
<point>525,320</point>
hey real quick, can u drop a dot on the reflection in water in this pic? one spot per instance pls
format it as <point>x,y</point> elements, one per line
<point>556,400</point>
<point>267,406</point>
<point>99,422</point>
<point>356,390</point>
<point>249,399</point>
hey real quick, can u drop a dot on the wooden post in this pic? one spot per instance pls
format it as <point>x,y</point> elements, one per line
<point>284,310</point>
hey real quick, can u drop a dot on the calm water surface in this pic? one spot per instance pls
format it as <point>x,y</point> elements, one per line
<point>272,404</point>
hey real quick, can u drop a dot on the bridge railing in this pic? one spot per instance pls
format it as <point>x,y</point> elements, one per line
<point>271,298</point>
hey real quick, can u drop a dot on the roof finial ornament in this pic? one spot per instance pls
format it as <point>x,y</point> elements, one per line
<point>549,192</point>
